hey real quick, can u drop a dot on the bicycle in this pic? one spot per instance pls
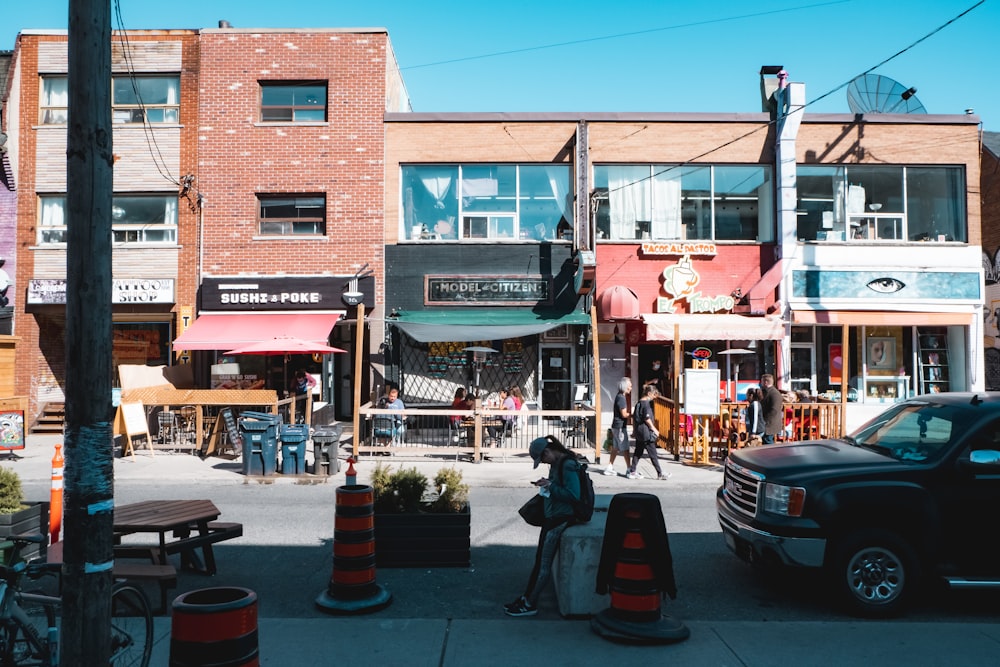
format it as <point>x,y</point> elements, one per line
<point>29,621</point>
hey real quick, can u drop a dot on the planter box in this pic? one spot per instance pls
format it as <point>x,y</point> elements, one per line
<point>33,519</point>
<point>423,539</point>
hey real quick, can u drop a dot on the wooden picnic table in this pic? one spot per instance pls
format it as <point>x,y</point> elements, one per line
<point>190,524</point>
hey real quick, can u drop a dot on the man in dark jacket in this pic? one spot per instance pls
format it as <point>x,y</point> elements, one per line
<point>772,407</point>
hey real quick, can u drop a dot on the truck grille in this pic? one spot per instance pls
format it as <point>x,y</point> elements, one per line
<point>742,487</point>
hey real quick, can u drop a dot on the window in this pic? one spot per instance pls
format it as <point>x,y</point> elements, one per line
<point>292,215</point>
<point>139,99</point>
<point>134,219</point>
<point>664,202</point>
<point>55,96</point>
<point>495,202</point>
<point>151,99</point>
<point>295,102</point>
<point>880,203</point>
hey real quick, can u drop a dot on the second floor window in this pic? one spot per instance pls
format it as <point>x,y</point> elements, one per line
<point>139,99</point>
<point>134,219</point>
<point>864,203</point>
<point>295,102</point>
<point>292,215</point>
<point>690,202</point>
<point>489,202</point>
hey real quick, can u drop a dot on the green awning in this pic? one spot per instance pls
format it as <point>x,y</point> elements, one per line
<point>472,324</point>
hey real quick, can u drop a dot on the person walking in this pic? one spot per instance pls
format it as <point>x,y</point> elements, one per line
<point>772,406</point>
<point>619,429</point>
<point>646,434</point>
<point>559,489</point>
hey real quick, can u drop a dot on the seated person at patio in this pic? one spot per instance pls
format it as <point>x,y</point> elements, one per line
<point>392,401</point>
<point>302,383</point>
<point>460,402</point>
<point>506,422</point>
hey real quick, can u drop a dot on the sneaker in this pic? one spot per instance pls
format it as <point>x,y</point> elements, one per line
<point>520,607</point>
<point>632,474</point>
<point>663,476</point>
<point>610,471</point>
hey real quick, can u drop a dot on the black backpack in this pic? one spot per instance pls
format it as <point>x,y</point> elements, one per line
<point>583,508</point>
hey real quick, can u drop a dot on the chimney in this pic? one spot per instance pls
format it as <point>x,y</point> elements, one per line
<point>771,78</point>
<point>225,24</point>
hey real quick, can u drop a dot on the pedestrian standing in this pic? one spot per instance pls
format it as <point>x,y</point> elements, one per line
<point>772,405</point>
<point>754,417</point>
<point>559,490</point>
<point>619,428</point>
<point>646,435</point>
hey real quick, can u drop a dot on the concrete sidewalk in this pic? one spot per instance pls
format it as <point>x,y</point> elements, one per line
<point>370,640</point>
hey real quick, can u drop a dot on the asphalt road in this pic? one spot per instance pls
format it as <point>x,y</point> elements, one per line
<point>285,556</point>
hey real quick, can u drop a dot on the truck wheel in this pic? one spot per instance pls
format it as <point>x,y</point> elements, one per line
<point>875,573</point>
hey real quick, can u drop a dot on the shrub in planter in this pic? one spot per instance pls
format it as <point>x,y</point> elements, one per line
<point>11,494</point>
<point>18,517</point>
<point>412,530</point>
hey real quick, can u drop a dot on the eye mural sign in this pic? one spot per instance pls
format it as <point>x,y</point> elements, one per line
<point>679,282</point>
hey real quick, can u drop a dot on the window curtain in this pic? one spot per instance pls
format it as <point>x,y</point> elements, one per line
<point>666,222</point>
<point>173,91</point>
<point>628,199</point>
<point>438,181</point>
<point>560,189</point>
<point>170,212</point>
<point>56,92</point>
<point>53,212</point>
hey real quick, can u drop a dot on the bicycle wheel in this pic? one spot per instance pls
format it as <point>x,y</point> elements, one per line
<point>28,635</point>
<point>131,627</point>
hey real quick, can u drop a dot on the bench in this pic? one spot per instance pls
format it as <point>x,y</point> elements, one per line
<point>574,570</point>
<point>217,531</point>
<point>164,575</point>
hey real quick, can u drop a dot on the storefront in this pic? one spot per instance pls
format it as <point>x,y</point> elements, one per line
<point>239,310</point>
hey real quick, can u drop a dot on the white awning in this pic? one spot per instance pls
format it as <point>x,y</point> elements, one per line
<point>724,326</point>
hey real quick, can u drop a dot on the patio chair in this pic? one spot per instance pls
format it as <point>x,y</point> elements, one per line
<point>385,431</point>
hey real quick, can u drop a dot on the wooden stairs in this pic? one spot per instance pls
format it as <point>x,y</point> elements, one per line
<point>51,419</point>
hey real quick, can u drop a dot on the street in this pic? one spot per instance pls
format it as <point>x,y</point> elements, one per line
<point>285,554</point>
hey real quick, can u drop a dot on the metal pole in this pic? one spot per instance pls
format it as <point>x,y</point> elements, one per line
<point>89,500</point>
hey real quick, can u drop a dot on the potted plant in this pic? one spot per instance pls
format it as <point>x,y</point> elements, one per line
<point>415,527</point>
<point>17,516</point>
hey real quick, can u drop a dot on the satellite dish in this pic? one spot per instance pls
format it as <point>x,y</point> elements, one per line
<point>873,93</point>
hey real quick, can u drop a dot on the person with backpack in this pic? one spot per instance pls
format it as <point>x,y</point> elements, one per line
<point>564,492</point>
<point>645,434</point>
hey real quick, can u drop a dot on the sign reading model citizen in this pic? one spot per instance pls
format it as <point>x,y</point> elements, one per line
<point>245,293</point>
<point>123,290</point>
<point>486,290</point>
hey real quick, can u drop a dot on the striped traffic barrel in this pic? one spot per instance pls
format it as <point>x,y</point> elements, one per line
<point>634,592</point>
<point>214,627</point>
<point>353,588</point>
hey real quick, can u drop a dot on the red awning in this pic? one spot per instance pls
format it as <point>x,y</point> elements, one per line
<point>618,303</point>
<point>225,332</point>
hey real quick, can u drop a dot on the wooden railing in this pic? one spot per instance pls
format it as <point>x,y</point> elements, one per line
<point>704,433</point>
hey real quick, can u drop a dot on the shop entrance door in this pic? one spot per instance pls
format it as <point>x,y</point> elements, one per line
<point>556,377</point>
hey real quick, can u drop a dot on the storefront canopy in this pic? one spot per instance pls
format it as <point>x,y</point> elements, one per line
<point>660,326</point>
<point>474,324</point>
<point>227,331</point>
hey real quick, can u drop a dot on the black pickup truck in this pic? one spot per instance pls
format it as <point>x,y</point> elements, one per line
<point>907,497</point>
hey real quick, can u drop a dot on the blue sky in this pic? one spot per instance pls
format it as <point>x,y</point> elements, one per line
<point>627,55</point>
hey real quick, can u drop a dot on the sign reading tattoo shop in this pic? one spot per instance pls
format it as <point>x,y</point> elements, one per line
<point>245,293</point>
<point>486,290</point>
<point>123,290</point>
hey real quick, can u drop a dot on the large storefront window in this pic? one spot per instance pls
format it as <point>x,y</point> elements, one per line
<point>140,344</point>
<point>664,202</point>
<point>486,202</point>
<point>884,203</point>
<point>884,364</point>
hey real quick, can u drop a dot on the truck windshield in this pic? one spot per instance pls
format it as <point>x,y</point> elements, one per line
<point>908,432</point>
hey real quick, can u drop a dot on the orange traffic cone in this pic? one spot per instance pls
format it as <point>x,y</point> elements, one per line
<point>352,588</point>
<point>637,568</point>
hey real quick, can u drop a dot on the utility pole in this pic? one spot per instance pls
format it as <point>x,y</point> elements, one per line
<point>89,443</point>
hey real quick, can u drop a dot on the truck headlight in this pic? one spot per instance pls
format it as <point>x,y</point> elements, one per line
<point>787,500</point>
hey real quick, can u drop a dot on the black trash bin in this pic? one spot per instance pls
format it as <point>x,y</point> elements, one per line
<point>326,440</point>
<point>260,442</point>
<point>293,449</point>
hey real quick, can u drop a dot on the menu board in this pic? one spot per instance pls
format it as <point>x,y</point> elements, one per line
<point>701,391</point>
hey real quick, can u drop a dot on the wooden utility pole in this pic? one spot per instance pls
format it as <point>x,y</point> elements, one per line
<point>89,443</point>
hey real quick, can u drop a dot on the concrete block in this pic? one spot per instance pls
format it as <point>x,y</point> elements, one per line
<point>574,571</point>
